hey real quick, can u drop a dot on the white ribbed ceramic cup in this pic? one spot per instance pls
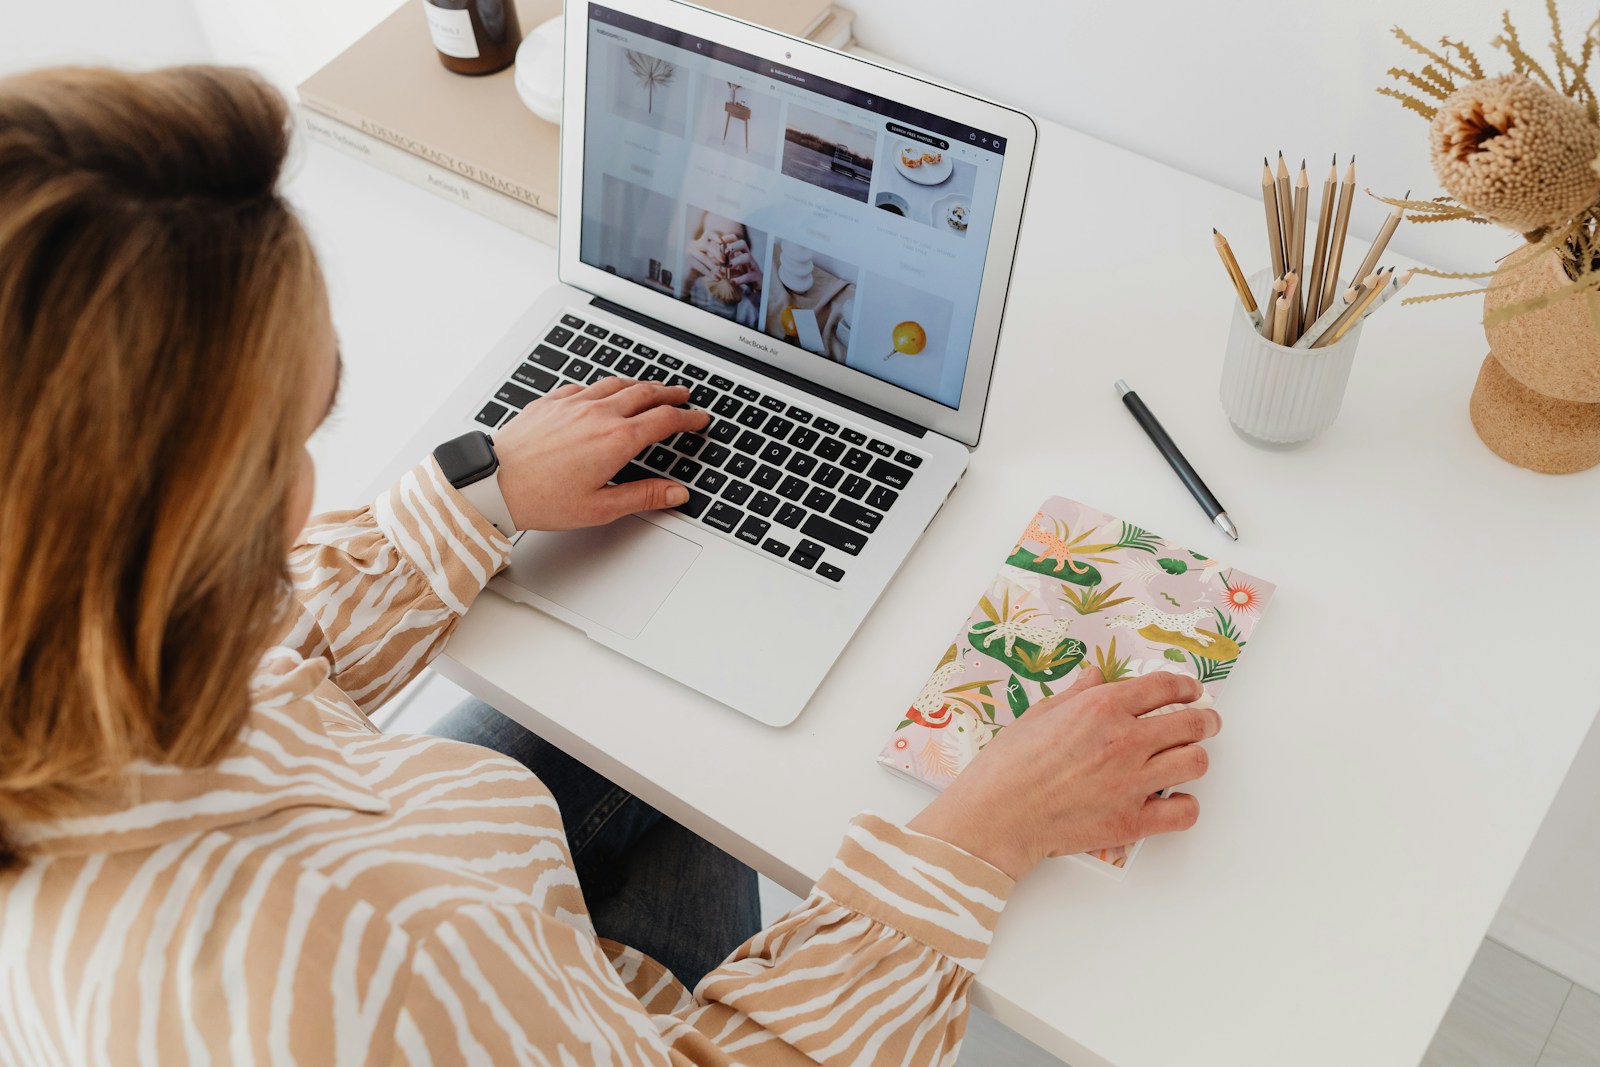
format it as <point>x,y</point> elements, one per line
<point>1277,395</point>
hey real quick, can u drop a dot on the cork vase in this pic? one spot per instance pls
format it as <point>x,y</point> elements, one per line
<point>1537,401</point>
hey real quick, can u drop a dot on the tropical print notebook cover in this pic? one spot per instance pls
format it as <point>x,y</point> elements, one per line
<point>1080,587</point>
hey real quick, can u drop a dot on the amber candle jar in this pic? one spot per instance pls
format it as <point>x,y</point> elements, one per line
<point>474,36</point>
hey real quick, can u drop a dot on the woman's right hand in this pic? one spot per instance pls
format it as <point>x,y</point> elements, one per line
<point>1078,773</point>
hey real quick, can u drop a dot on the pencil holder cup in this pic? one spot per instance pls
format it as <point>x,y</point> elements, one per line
<point>1279,396</point>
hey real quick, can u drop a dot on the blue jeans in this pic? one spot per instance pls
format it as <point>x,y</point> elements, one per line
<point>648,882</point>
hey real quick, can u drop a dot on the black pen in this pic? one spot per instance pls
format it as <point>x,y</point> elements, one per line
<point>1191,479</point>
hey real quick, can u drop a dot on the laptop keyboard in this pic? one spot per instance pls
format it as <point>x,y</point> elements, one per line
<point>764,472</point>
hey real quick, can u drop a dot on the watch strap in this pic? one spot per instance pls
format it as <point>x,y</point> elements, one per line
<point>484,494</point>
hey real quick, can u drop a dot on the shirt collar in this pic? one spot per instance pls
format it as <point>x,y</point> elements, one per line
<point>283,758</point>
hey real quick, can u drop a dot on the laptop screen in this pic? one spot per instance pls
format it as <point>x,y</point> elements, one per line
<point>850,226</point>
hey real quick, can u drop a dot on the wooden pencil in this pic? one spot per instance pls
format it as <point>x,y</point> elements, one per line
<point>1269,201</point>
<point>1326,319</point>
<point>1382,240</point>
<point>1319,254</point>
<point>1341,226</point>
<point>1242,287</point>
<point>1271,321</point>
<point>1280,320</point>
<point>1352,314</point>
<point>1297,249</point>
<point>1285,208</point>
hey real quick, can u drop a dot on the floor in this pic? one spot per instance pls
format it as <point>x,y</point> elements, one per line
<point>1509,1011</point>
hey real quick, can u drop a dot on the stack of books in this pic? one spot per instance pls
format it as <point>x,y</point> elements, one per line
<point>387,100</point>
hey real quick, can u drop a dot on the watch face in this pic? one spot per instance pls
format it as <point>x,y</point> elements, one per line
<point>466,459</point>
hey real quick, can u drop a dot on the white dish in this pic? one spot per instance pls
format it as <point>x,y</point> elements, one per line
<point>939,214</point>
<point>927,173</point>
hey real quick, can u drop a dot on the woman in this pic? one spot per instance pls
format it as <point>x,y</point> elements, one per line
<point>210,854</point>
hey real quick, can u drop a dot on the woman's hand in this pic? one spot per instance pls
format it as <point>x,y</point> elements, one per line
<point>558,453</point>
<point>1078,773</point>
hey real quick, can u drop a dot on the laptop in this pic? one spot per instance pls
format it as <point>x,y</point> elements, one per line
<point>819,248</point>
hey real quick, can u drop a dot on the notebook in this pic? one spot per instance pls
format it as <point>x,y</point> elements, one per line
<point>1079,588</point>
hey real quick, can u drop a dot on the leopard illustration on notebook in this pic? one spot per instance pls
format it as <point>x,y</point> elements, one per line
<point>1079,587</point>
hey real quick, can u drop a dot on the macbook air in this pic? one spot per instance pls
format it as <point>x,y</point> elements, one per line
<point>819,248</point>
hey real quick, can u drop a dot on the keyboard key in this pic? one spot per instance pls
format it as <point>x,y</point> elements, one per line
<point>738,493</point>
<point>800,464</point>
<point>792,488</point>
<point>680,380</point>
<point>491,414</point>
<point>600,375</point>
<point>882,497</point>
<point>749,442</point>
<point>828,475</point>
<point>722,430</point>
<point>535,377</point>
<point>577,370</point>
<point>752,417</point>
<point>727,407</point>
<point>688,443</point>
<point>830,572</point>
<point>559,335</point>
<point>806,554</point>
<point>620,341</point>
<point>659,459</point>
<point>775,453</point>
<point>713,455</point>
<point>852,514</point>
<point>548,357</point>
<point>684,470</point>
<point>515,395</point>
<point>695,371</point>
<point>855,487</point>
<point>596,330</point>
<point>826,425</point>
<point>890,474</point>
<point>605,355</point>
<point>763,504</point>
<point>831,533</point>
<point>633,473</point>
<point>778,427</point>
<point>776,547</point>
<point>644,350</point>
<point>723,517</point>
<point>669,360</point>
<point>628,366</point>
<point>882,448</point>
<point>696,503</point>
<point>857,460</point>
<point>581,346</point>
<point>753,529</point>
<point>855,437</point>
<point>711,481</point>
<point>702,396</point>
<point>830,448</point>
<point>767,477</point>
<point>744,392</point>
<point>819,499</point>
<point>719,382</point>
<point>906,459</point>
<point>741,466</point>
<point>572,321</point>
<point>804,438</point>
<point>797,414</point>
<point>653,373</point>
<point>790,515</point>
<point>772,403</point>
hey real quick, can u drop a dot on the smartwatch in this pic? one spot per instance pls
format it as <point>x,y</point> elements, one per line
<point>469,463</point>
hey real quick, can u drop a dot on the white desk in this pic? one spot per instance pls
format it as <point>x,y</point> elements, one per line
<point>1394,736</point>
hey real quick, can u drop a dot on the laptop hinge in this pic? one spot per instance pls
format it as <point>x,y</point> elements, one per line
<point>755,366</point>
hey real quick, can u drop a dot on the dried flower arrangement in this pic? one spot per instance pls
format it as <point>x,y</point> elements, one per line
<point>650,72</point>
<point>1521,150</point>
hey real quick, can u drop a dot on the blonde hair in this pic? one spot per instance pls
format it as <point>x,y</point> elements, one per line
<point>160,307</point>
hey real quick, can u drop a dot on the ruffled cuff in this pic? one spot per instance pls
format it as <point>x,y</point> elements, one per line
<point>441,534</point>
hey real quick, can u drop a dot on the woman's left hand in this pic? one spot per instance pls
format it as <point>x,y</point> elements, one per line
<point>557,455</point>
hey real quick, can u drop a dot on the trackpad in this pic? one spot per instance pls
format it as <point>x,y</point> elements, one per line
<point>615,575</point>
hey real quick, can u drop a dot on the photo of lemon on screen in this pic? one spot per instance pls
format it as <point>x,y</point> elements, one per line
<point>909,338</point>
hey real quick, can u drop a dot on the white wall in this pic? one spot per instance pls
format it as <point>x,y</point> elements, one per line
<point>1212,87</point>
<point>138,33</point>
